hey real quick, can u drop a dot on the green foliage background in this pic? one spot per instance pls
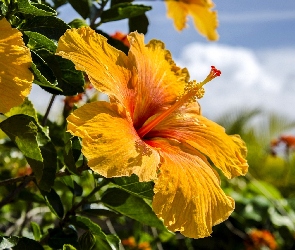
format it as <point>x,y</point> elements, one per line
<point>64,205</point>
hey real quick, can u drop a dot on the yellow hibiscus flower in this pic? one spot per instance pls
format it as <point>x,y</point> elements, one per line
<point>15,59</point>
<point>205,20</point>
<point>152,128</point>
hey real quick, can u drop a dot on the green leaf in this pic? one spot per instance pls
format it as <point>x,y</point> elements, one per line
<point>78,23</point>
<point>49,26</point>
<point>264,188</point>
<point>123,10</point>
<point>25,7</point>
<point>131,206</point>
<point>68,247</point>
<point>27,244</point>
<point>69,156</point>
<point>36,231</point>
<point>86,241</point>
<point>36,146</point>
<point>58,237</point>
<point>82,7</point>
<point>87,224</point>
<point>69,80</point>
<point>114,2</point>
<point>139,23</point>
<point>25,108</point>
<point>133,186</point>
<point>40,80</point>
<point>54,202</point>
<point>8,242</point>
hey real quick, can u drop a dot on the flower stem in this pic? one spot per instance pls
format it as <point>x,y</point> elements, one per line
<point>44,121</point>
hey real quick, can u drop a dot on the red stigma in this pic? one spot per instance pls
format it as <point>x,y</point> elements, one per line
<point>214,72</point>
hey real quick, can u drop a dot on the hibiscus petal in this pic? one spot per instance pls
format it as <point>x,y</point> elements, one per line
<point>205,21</point>
<point>188,197</point>
<point>178,12</point>
<point>204,18</point>
<point>15,59</point>
<point>227,152</point>
<point>110,143</point>
<point>105,66</point>
<point>158,80</point>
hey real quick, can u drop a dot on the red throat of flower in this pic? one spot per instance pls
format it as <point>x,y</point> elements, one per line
<point>192,91</point>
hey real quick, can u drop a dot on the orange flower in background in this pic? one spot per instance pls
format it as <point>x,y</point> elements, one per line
<point>152,127</point>
<point>260,239</point>
<point>205,20</point>
<point>15,60</point>
<point>121,37</point>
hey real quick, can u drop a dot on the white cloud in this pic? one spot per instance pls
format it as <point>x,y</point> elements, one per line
<point>249,79</point>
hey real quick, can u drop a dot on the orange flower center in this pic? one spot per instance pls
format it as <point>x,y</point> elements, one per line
<point>192,91</point>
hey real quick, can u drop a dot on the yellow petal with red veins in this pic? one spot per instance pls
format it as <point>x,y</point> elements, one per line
<point>226,152</point>
<point>205,21</point>
<point>188,196</point>
<point>106,67</point>
<point>157,81</point>
<point>110,143</point>
<point>15,60</point>
<point>178,12</point>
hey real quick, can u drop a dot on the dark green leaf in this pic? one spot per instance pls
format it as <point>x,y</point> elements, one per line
<point>8,242</point>
<point>139,23</point>
<point>69,158</point>
<point>30,197</point>
<point>40,80</point>
<point>27,244</point>
<point>49,26</point>
<point>25,7</point>
<point>54,202</point>
<point>86,241</point>
<point>43,75</point>
<point>58,3</point>
<point>68,247</point>
<point>87,224</point>
<point>131,206</point>
<point>82,7</point>
<point>134,187</point>
<point>78,23</point>
<point>68,78</point>
<point>36,231</point>
<point>36,146</point>
<point>58,237</point>
<point>123,10</point>
<point>114,2</point>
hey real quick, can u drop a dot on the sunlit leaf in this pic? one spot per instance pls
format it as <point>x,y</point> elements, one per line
<point>26,7</point>
<point>131,206</point>
<point>49,26</point>
<point>36,230</point>
<point>122,11</point>
<point>134,187</point>
<point>36,146</point>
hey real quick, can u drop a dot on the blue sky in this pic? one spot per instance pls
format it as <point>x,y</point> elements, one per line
<point>255,52</point>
